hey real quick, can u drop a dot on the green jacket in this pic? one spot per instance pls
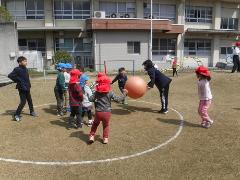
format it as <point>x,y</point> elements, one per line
<point>60,82</point>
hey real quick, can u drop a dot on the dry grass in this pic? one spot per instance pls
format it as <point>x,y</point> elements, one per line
<point>196,154</point>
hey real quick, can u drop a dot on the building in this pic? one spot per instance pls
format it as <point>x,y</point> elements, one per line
<point>95,31</point>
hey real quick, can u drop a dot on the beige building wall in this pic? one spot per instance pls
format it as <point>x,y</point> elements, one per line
<point>112,46</point>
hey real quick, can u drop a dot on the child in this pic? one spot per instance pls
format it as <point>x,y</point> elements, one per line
<point>60,89</point>
<point>205,95</point>
<point>102,101</point>
<point>87,92</point>
<point>20,76</point>
<point>122,79</point>
<point>75,98</point>
<point>66,70</point>
<point>174,67</point>
<point>161,81</point>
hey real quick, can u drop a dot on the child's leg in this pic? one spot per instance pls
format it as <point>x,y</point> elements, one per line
<point>165,93</point>
<point>203,108</point>
<point>23,97</point>
<point>96,123</point>
<point>79,116</point>
<point>72,115</point>
<point>89,113</point>
<point>106,118</point>
<point>58,98</point>
<point>29,100</point>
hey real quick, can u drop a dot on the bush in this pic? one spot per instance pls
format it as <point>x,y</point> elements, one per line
<point>5,16</point>
<point>62,56</point>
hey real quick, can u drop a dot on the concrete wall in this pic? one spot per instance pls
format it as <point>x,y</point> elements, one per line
<point>8,44</point>
<point>113,46</point>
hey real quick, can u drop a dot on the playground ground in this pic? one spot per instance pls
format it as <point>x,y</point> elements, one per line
<point>188,152</point>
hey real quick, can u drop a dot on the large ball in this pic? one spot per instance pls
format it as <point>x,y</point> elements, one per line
<point>136,87</point>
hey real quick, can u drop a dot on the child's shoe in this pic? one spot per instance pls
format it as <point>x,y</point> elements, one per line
<point>207,125</point>
<point>17,118</point>
<point>33,114</point>
<point>59,114</point>
<point>91,139</point>
<point>211,121</point>
<point>90,123</point>
<point>105,140</point>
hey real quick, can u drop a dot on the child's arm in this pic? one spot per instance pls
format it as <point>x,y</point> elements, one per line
<point>80,92</point>
<point>92,98</point>
<point>117,98</point>
<point>62,82</point>
<point>114,80</point>
<point>13,76</point>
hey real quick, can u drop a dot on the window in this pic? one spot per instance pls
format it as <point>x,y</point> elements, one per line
<point>161,11</point>
<point>133,47</point>
<point>198,14</point>
<point>73,45</point>
<point>193,47</point>
<point>229,23</point>
<point>32,44</point>
<point>72,9</point>
<point>34,9</point>
<point>120,9</point>
<point>226,50</point>
<point>164,46</point>
<point>16,8</point>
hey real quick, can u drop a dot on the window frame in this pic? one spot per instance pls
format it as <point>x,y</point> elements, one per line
<point>194,49</point>
<point>134,47</point>
<point>198,14</point>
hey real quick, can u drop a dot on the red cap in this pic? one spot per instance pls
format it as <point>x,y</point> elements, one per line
<point>103,83</point>
<point>203,71</point>
<point>237,44</point>
<point>75,73</point>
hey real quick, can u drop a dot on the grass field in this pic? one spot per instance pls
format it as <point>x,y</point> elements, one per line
<point>196,153</point>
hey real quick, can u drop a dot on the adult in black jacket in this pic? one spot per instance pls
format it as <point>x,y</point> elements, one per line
<point>20,76</point>
<point>161,81</point>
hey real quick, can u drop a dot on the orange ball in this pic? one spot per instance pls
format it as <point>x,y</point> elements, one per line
<point>136,87</point>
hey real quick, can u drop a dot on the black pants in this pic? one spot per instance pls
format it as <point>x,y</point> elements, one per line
<point>236,64</point>
<point>60,99</point>
<point>164,97</point>
<point>175,72</point>
<point>88,111</point>
<point>76,111</point>
<point>24,96</point>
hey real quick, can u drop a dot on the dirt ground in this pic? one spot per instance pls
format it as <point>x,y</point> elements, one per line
<point>196,154</point>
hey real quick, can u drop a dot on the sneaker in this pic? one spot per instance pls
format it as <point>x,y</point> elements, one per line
<point>90,123</point>
<point>207,125</point>
<point>163,111</point>
<point>210,121</point>
<point>59,114</point>
<point>105,140</point>
<point>91,139</point>
<point>79,125</point>
<point>17,118</point>
<point>33,114</point>
<point>203,123</point>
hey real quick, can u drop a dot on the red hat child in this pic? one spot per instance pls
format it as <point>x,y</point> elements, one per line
<point>103,85</point>
<point>75,73</point>
<point>203,71</point>
<point>237,44</point>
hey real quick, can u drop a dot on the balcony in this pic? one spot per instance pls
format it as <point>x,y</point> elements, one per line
<point>133,24</point>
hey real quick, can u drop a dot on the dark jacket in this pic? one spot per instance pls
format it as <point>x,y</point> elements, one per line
<point>102,101</point>
<point>157,78</point>
<point>60,82</point>
<point>20,76</point>
<point>75,94</point>
<point>121,80</point>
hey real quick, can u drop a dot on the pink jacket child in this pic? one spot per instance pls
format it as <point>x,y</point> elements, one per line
<point>205,95</point>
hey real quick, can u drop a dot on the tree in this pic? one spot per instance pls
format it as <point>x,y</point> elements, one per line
<point>62,56</point>
<point>5,16</point>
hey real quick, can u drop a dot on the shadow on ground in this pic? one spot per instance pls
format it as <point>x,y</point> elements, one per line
<point>177,122</point>
<point>12,112</point>
<point>237,109</point>
<point>52,109</point>
<point>84,137</point>
<point>130,108</point>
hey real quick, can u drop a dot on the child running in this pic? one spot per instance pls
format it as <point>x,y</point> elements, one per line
<point>205,95</point>
<point>122,79</point>
<point>87,92</point>
<point>20,76</point>
<point>75,99</point>
<point>102,101</point>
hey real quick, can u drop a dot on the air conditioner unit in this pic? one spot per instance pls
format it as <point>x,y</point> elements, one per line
<point>99,14</point>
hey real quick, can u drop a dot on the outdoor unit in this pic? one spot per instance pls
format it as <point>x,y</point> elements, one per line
<point>99,14</point>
